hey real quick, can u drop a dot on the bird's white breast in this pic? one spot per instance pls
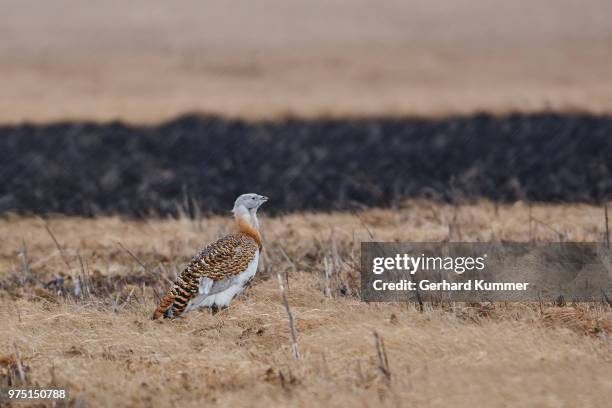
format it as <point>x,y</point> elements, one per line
<point>250,271</point>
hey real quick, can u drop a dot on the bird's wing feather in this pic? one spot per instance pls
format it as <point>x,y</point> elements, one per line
<point>210,287</point>
<point>223,259</point>
<point>205,286</point>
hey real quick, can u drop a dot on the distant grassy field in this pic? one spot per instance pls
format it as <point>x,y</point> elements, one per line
<point>102,347</point>
<point>148,61</point>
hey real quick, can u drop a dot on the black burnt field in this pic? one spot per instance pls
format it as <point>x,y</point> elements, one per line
<point>202,163</point>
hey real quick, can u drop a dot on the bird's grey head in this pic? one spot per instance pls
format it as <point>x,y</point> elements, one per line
<point>250,202</point>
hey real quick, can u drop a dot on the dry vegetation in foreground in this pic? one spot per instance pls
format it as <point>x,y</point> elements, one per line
<point>101,345</point>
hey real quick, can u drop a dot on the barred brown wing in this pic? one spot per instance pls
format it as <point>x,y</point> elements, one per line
<point>225,258</point>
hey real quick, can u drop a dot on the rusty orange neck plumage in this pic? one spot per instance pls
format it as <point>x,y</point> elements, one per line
<point>245,226</point>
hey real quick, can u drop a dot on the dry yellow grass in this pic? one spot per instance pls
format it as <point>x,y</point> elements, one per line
<point>107,352</point>
<point>146,61</point>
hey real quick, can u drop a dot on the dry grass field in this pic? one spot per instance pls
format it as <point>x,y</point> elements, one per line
<point>148,61</point>
<point>101,345</point>
<point>77,294</point>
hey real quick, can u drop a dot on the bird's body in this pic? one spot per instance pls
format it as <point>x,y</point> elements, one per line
<point>222,270</point>
<point>219,294</point>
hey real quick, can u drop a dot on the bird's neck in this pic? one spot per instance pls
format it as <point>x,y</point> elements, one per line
<point>247,223</point>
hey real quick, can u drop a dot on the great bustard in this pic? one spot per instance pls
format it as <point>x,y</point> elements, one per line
<point>222,270</point>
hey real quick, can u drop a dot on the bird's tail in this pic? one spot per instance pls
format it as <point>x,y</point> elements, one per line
<point>164,305</point>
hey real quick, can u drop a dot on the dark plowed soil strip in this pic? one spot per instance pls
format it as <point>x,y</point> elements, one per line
<point>203,162</point>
